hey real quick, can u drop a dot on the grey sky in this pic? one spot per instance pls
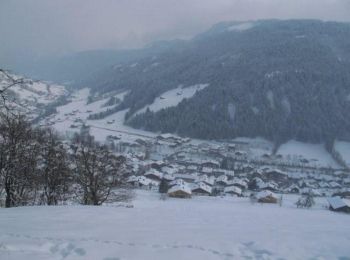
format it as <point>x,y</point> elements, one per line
<point>41,27</point>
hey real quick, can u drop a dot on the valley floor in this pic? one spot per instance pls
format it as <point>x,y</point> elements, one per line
<point>197,228</point>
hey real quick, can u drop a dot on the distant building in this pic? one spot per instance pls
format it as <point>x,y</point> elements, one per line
<point>180,191</point>
<point>338,204</point>
<point>266,197</point>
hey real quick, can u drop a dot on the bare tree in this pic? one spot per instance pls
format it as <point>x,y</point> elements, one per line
<point>306,200</point>
<point>18,154</point>
<point>9,82</point>
<point>53,168</point>
<point>97,171</point>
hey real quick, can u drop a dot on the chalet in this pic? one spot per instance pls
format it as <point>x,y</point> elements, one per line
<point>207,170</point>
<point>158,165</point>
<point>177,182</point>
<point>192,168</point>
<point>168,177</point>
<point>187,177</point>
<point>314,192</point>
<point>270,186</point>
<point>266,197</point>
<point>265,156</point>
<point>141,141</point>
<point>210,164</point>
<point>219,172</point>
<point>334,185</point>
<point>142,181</point>
<point>168,138</point>
<point>240,153</point>
<point>323,185</point>
<point>231,147</point>
<point>256,183</point>
<point>276,175</point>
<point>233,190</point>
<point>133,180</point>
<point>180,191</point>
<point>338,204</point>
<point>169,170</point>
<point>201,188</point>
<point>148,183</point>
<point>222,180</point>
<point>293,189</point>
<point>113,137</point>
<point>153,174</point>
<point>342,194</point>
<point>205,179</point>
<point>238,183</point>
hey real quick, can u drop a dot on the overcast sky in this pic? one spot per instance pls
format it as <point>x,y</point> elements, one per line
<point>42,27</point>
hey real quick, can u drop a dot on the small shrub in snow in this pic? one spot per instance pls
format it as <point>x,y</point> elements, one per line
<point>306,201</point>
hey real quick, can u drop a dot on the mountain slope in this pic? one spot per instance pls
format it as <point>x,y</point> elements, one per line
<point>277,79</point>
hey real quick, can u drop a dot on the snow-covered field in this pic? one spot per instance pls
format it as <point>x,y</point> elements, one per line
<point>343,148</point>
<point>99,128</point>
<point>173,97</point>
<point>197,228</point>
<point>315,153</point>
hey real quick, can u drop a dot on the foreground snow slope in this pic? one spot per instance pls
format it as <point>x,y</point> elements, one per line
<point>198,228</point>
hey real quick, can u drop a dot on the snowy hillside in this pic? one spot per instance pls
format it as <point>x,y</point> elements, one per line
<point>200,228</point>
<point>31,96</point>
<point>71,116</point>
<point>343,148</point>
<point>173,97</point>
<point>316,154</point>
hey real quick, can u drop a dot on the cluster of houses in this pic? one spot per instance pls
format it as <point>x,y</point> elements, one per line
<point>207,178</point>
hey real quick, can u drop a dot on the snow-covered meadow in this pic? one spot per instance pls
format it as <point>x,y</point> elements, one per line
<point>197,228</point>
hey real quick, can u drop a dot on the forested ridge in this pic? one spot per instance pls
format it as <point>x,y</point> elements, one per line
<point>276,79</point>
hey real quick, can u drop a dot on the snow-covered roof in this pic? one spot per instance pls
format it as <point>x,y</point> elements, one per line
<point>222,178</point>
<point>177,182</point>
<point>145,181</point>
<point>337,202</point>
<point>314,192</point>
<point>274,170</point>
<point>265,185</point>
<point>192,167</point>
<point>237,181</point>
<point>334,184</point>
<point>185,176</point>
<point>168,177</point>
<point>233,189</point>
<point>180,187</point>
<point>154,172</point>
<point>265,193</point>
<point>207,170</point>
<point>166,136</point>
<point>206,179</point>
<point>210,162</point>
<point>132,178</point>
<point>203,186</point>
<point>170,170</point>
